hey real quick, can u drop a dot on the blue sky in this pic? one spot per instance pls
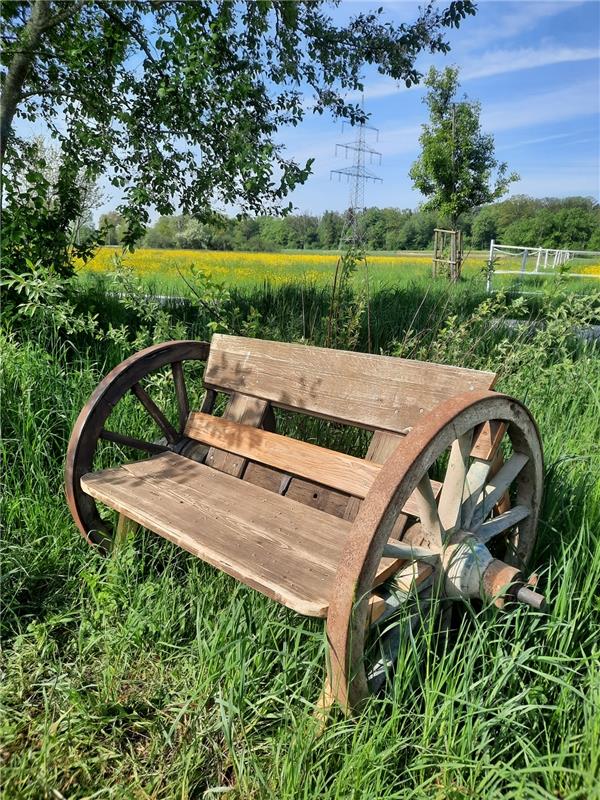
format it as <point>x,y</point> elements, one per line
<point>533,65</point>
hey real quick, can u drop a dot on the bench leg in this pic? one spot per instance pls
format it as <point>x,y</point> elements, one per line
<point>125,529</point>
<point>327,699</point>
<point>323,706</point>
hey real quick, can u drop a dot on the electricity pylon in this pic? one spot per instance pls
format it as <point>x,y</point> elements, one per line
<point>357,176</point>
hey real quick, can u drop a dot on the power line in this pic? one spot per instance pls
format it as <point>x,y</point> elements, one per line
<point>357,176</point>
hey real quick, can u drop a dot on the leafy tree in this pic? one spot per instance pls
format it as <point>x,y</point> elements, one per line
<point>330,230</point>
<point>272,231</point>
<point>566,222</point>
<point>179,103</point>
<point>457,169</point>
<point>193,235</point>
<point>163,234</point>
<point>571,222</point>
<point>485,228</point>
<point>43,209</point>
<point>112,224</point>
<point>565,228</point>
<point>373,224</point>
<point>302,230</point>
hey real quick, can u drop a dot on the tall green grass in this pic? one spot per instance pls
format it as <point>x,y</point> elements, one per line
<point>151,675</point>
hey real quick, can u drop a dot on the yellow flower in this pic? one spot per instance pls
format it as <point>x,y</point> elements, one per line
<point>239,268</point>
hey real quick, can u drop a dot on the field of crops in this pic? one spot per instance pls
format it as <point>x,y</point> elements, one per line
<point>170,271</point>
<point>163,268</point>
<point>151,675</point>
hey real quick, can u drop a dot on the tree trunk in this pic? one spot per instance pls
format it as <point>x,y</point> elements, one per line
<point>19,67</point>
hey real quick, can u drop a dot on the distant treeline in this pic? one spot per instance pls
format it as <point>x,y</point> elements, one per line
<point>571,222</point>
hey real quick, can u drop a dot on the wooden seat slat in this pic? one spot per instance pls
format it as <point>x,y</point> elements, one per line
<point>280,547</point>
<point>342,472</point>
<point>370,391</point>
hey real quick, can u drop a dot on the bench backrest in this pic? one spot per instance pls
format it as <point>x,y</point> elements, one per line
<point>370,391</point>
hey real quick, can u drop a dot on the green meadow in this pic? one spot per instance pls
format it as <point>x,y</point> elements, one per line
<point>151,675</point>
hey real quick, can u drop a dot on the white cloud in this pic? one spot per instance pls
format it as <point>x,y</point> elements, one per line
<point>538,140</point>
<point>498,62</point>
<point>553,137</point>
<point>544,108</point>
<point>519,18</point>
<point>572,101</point>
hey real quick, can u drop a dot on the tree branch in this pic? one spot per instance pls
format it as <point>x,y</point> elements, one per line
<point>127,27</point>
<point>19,68</point>
<point>72,8</point>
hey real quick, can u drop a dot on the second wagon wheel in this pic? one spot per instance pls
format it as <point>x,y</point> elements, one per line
<point>466,542</point>
<point>128,394</point>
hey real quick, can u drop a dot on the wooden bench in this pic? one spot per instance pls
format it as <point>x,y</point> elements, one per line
<point>357,541</point>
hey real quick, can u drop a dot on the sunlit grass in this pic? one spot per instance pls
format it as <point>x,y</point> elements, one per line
<point>168,271</point>
<point>152,675</point>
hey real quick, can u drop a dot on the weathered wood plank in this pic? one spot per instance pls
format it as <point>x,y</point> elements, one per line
<point>276,545</point>
<point>487,438</point>
<point>281,548</point>
<point>244,409</point>
<point>346,473</point>
<point>381,447</point>
<point>371,391</point>
<point>306,492</point>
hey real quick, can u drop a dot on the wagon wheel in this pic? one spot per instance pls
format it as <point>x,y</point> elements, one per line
<point>459,538</point>
<point>122,382</point>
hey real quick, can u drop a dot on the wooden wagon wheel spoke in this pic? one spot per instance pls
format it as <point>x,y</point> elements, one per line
<point>388,598</point>
<point>409,552</point>
<point>451,496</point>
<point>424,497</point>
<point>497,487</point>
<point>131,441</point>
<point>502,523</point>
<point>475,481</point>
<point>181,392</point>
<point>89,429</point>
<point>155,412</point>
<point>383,650</point>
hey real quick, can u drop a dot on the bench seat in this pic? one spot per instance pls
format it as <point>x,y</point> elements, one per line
<point>282,548</point>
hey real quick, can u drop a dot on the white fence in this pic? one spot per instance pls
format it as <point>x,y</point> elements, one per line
<point>534,261</point>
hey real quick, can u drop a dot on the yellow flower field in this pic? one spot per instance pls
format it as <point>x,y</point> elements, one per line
<point>166,269</point>
<point>167,266</point>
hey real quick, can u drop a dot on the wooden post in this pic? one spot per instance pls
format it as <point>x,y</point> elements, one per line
<point>524,260</point>
<point>453,277</point>
<point>490,268</point>
<point>125,528</point>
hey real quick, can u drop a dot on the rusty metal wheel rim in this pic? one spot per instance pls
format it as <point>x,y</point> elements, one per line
<point>354,581</point>
<point>88,428</point>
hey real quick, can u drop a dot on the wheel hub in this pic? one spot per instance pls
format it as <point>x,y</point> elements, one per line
<point>468,569</point>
